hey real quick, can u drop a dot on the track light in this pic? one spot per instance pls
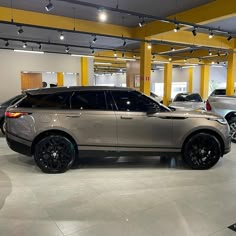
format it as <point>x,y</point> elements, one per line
<point>124,44</point>
<point>210,53</point>
<point>185,60</point>
<point>134,56</point>
<point>67,49</point>
<point>40,46</point>
<point>141,23</point>
<point>95,39</point>
<point>218,54</point>
<point>172,49</point>
<point>153,56</point>
<point>7,43</point>
<point>102,15</point>
<point>115,54</point>
<point>20,30</point>
<point>62,37</point>
<point>50,6</point>
<point>230,37</point>
<point>92,50</point>
<point>25,45</point>
<point>194,32</point>
<point>123,54</point>
<point>177,28</point>
<point>211,35</point>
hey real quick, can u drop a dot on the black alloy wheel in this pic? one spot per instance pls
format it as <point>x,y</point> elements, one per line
<point>3,127</point>
<point>202,151</point>
<point>232,125</point>
<point>54,154</point>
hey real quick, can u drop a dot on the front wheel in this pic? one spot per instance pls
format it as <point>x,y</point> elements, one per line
<point>232,125</point>
<point>202,151</point>
<point>54,154</point>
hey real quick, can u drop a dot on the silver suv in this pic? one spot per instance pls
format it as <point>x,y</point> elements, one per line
<point>58,125</point>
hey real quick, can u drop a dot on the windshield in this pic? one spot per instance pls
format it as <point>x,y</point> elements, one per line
<point>183,97</point>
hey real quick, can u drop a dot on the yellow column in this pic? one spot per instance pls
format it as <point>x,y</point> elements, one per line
<point>84,71</point>
<point>231,74</point>
<point>205,77</point>
<point>190,80</point>
<point>167,83</point>
<point>145,68</point>
<point>60,79</point>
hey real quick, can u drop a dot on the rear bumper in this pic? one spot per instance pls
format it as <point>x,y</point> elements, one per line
<point>19,145</point>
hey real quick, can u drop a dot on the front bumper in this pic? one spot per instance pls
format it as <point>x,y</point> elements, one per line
<point>19,145</point>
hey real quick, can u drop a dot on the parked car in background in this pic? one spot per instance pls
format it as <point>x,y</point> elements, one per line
<point>224,106</point>
<point>57,125</point>
<point>3,108</point>
<point>218,92</point>
<point>190,101</point>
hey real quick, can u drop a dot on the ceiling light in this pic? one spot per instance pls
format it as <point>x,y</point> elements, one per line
<point>149,46</point>
<point>95,39</point>
<point>134,56</point>
<point>49,7</point>
<point>124,44</point>
<point>210,53</point>
<point>36,52</point>
<point>230,37</point>
<point>62,37</point>
<point>20,31</point>
<point>102,15</point>
<point>123,54</point>
<point>115,54</point>
<point>40,46</point>
<point>92,50</point>
<point>218,54</point>
<point>126,59</point>
<point>211,35</point>
<point>177,28</point>
<point>194,32</point>
<point>170,59</point>
<point>153,56</point>
<point>7,43</point>
<point>67,49</point>
<point>172,49</point>
<point>80,55</point>
<point>103,63</point>
<point>25,45</point>
<point>212,62</point>
<point>185,60</point>
<point>141,23</point>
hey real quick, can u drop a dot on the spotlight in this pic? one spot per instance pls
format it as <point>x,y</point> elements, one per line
<point>170,59</point>
<point>92,50</point>
<point>199,60</point>
<point>185,60</point>
<point>194,32</point>
<point>230,37</point>
<point>20,31</point>
<point>212,62</point>
<point>210,53</point>
<point>177,28</point>
<point>149,46</point>
<point>172,49</point>
<point>211,35</point>
<point>49,7</point>
<point>124,44</point>
<point>134,56</point>
<point>7,43</point>
<point>153,56</point>
<point>141,23</point>
<point>102,15</point>
<point>62,37</point>
<point>218,54</point>
<point>67,49</point>
<point>95,39</point>
<point>115,54</point>
<point>40,46</point>
<point>25,45</point>
<point>123,54</point>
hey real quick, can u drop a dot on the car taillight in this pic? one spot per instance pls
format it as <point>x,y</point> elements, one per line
<point>208,106</point>
<point>15,114</point>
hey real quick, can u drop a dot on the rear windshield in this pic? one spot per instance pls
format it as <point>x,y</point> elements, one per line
<point>188,98</point>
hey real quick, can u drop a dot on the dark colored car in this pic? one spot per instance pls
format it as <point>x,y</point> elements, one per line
<point>3,108</point>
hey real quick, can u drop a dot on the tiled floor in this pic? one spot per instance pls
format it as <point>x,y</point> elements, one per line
<point>139,197</point>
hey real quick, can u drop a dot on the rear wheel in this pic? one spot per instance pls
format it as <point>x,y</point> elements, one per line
<point>54,154</point>
<point>232,125</point>
<point>3,127</point>
<point>202,151</point>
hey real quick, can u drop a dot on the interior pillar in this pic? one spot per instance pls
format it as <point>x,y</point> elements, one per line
<point>205,77</point>
<point>84,71</point>
<point>231,74</point>
<point>167,83</point>
<point>60,79</point>
<point>190,80</point>
<point>145,68</point>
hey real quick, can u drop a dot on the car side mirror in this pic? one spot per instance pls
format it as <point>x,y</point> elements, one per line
<point>152,109</point>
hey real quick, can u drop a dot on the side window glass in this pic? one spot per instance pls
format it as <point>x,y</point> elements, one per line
<point>89,100</point>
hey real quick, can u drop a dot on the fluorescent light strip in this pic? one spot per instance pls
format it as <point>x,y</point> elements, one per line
<point>126,59</point>
<point>78,55</point>
<point>103,63</point>
<point>161,62</point>
<point>25,51</point>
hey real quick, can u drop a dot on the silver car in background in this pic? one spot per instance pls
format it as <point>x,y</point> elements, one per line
<point>190,101</point>
<point>59,125</point>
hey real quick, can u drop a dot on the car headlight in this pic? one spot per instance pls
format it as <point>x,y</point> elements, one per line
<point>222,121</point>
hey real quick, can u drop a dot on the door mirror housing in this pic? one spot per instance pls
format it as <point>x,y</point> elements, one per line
<point>152,109</point>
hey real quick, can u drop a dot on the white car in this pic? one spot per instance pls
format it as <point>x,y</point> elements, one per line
<point>190,101</point>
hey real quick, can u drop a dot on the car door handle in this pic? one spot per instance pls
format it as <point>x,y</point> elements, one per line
<point>126,117</point>
<point>74,116</point>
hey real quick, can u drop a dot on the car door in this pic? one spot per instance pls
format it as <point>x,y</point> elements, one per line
<point>92,120</point>
<point>135,127</point>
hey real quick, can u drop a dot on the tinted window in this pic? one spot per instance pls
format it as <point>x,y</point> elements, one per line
<point>56,100</point>
<point>13,100</point>
<point>188,98</point>
<point>89,100</point>
<point>132,101</point>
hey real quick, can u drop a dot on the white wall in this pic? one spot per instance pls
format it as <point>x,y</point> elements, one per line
<point>110,80</point>
<point>13,63</point>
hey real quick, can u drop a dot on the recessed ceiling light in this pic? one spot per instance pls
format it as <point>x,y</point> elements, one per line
<point>49,6</point>
<point>102,15</point>
<point>211,35</point>
<point>62,37</point>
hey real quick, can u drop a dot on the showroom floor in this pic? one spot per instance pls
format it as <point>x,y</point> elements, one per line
<point>132,197</point>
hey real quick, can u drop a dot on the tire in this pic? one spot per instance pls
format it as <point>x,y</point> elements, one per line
<point>2,127</point>
<point>54,154</point>
<point>201,151</point>
<point>232,125</point>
